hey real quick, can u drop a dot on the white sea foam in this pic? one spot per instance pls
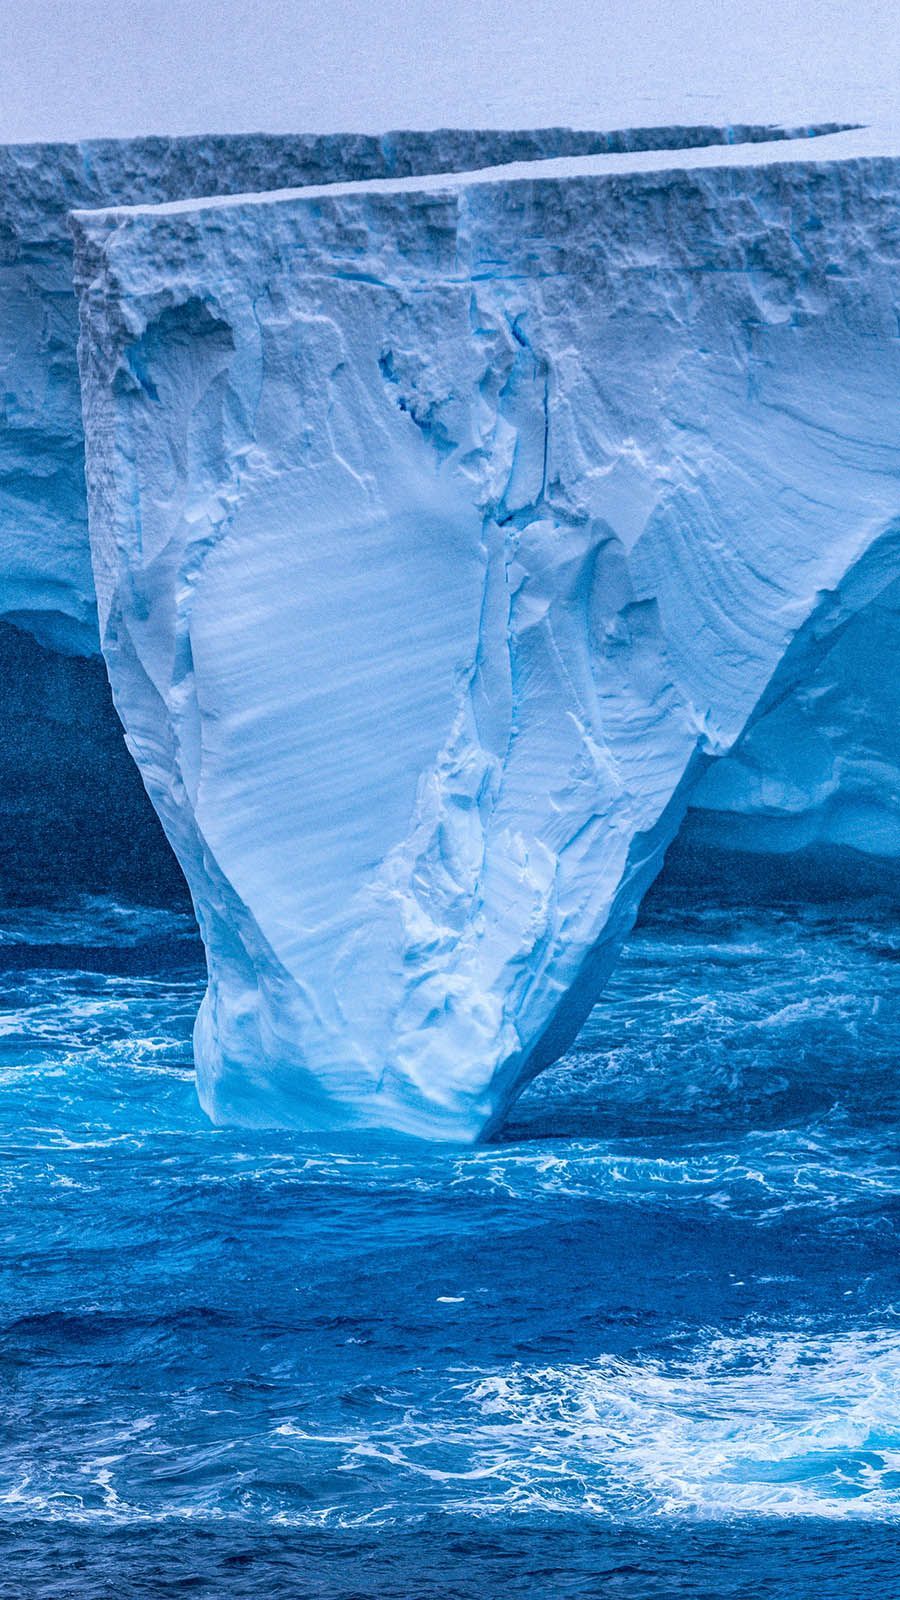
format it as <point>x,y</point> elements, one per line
<point>773,1425</point>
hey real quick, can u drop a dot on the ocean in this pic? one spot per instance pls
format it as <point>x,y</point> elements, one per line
<point>646,1342</point>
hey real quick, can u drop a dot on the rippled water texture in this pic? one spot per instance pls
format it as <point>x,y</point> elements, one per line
<point>647,1343</point>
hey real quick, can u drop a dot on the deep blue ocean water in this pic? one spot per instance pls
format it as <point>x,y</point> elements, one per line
<point>646,1343</point>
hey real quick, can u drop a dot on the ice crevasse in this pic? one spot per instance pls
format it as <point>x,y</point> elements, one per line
<point>450,535</point>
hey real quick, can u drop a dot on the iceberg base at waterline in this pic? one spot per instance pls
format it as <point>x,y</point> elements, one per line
<point>450,536</point>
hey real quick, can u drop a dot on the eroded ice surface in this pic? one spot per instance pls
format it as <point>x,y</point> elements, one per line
<point>46,586</point>
<point>74,812</point>
<point>445,532</point>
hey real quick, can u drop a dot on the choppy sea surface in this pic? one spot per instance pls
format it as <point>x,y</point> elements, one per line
<point>646,1343</point>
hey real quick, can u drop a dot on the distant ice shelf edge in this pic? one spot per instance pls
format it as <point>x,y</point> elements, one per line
<point>450,535</point>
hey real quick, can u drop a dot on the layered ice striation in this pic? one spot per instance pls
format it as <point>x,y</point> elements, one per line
<point>74,812</point>
<point>820,765</point>
<point>46,586</point>
<point>450,536</point>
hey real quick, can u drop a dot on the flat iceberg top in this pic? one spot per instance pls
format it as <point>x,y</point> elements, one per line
<point>809,146</point>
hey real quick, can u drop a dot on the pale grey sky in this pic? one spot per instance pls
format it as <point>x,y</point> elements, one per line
<point>82,68</point>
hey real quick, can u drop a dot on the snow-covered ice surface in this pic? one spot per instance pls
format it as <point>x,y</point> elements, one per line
<point>445,531</point>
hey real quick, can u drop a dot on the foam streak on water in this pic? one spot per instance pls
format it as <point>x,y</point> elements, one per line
<point>665,1299</point>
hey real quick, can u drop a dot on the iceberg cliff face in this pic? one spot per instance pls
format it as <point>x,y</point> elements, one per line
<point>62,764</point>
<point>445,534</point>
<point>46,585</point>
<point>822,766</point>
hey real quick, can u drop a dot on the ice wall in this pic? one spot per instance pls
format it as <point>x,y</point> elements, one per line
<point>821,767</point>
<point>444,534</point>
<point>46,585</point>
<point>56,769</point>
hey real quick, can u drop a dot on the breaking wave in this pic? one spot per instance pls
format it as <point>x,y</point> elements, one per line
<point>664,1296</point>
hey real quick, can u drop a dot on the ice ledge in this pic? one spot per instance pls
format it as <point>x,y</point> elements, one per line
<point>445,532</point>
<point>662,152</point>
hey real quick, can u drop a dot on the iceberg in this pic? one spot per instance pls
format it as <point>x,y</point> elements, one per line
<point>450,536</point>
<point>70,791</point>
<point>75,813</point>
<point>46,585</point>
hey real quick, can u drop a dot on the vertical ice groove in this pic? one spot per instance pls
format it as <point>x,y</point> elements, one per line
<point>431,592</point>
<point>45,583</point>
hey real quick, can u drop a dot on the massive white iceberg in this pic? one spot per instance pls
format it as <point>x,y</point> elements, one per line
<point>46,587</point>
<point>446,532</point>
<point>73,810</point>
